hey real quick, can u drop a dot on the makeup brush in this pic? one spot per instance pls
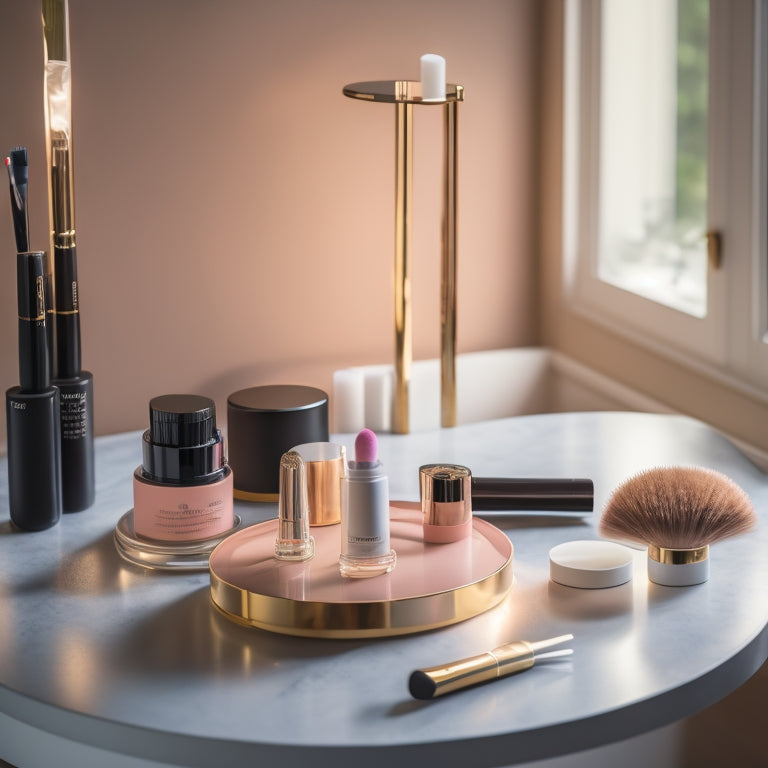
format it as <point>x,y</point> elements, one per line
<point>18,175</point>
<point>677,512</point>
<point>74,383</point>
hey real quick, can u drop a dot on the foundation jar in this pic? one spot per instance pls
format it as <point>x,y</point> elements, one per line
<point>183,490</point>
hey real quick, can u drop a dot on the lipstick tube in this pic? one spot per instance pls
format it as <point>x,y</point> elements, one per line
<point>365,539</point>
<point>446,501</point>
<point>293,541</point>
<point>507,659</point>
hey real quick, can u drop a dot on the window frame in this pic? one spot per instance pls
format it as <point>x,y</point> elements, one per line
<point>731,340</point>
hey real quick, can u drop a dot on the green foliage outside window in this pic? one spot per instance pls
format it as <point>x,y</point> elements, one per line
<point>692,99</point>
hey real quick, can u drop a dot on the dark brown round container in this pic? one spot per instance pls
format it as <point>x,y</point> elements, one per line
<point>265,422</point>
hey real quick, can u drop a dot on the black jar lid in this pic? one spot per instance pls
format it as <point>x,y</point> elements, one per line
<point>263,423</point>
<point>182,444</point>
<point>182,420</point>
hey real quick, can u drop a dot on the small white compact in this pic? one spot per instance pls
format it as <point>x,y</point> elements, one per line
<point>590,564</point>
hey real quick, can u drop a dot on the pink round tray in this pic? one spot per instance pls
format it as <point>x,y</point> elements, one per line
<point>432,585</point>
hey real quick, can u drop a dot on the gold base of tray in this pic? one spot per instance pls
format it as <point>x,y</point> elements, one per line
<point>432,585</point>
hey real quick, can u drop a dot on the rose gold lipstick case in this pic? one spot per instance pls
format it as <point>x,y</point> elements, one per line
<point>446,502</point>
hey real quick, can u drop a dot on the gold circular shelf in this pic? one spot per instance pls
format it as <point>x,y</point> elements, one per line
<point>399,92</point>
<point>432,585</point>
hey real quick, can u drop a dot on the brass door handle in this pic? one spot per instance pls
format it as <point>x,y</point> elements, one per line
<point>714,249</point>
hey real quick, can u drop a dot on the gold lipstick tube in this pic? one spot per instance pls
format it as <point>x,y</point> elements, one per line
<point>507,659</point>
<point>293,541</point>
<point>446,502</point>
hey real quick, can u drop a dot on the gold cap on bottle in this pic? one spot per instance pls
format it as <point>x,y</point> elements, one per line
<point>446,502</point>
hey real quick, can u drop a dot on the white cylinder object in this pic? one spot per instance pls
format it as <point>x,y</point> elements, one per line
<point>590,564</point>
<point>432,77</point>
<point>348,400</point>
<point>378,391</point>
<point>678,574</point>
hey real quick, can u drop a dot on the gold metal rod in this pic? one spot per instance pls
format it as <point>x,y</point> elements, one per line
<point>403,218</point>
<point>448,277</point>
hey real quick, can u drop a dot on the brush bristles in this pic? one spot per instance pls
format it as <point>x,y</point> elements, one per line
<point>677,508</point>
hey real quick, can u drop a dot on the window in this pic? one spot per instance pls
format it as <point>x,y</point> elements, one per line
<point>653,150</point>
<point>665,142</point>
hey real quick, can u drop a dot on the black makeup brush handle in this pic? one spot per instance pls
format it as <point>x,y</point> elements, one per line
<point>67,313</point>
<point>508,494</point>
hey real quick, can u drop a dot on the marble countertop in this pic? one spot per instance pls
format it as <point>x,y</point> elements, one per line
<point>96,653</point>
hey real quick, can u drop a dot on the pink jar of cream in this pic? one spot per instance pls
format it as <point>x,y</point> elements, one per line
<point>183,491</point>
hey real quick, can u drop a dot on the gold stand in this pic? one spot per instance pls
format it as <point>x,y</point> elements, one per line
<point>404,94</point>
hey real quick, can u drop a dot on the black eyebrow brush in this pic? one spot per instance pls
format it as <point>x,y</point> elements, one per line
<point>18,175</point>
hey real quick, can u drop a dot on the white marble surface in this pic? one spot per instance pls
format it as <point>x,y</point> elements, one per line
<point>107,656</point>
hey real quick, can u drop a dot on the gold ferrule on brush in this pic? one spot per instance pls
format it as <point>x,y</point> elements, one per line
<point>504,660</point>
<point>669,556</point>
<point>62,194</point>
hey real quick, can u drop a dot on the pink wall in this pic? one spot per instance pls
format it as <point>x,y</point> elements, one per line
<point>235,212</point>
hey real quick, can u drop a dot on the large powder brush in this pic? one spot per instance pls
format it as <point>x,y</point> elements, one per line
<point>677,512</point>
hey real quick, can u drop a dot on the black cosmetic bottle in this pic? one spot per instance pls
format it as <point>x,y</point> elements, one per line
<point>76,389</point>
<point>32,411</point>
